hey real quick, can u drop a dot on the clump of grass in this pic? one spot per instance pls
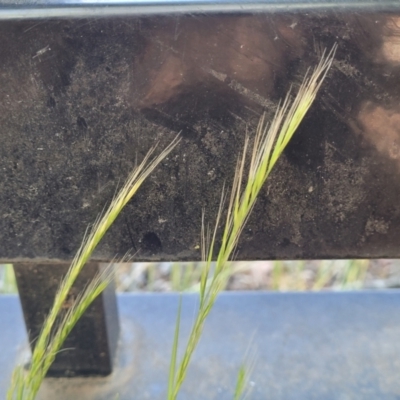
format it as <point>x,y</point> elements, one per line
<point>335,274</point>
<point>25,386</point>
<point>269,143</point>
<point>184,276</point>
<point>354,274</point>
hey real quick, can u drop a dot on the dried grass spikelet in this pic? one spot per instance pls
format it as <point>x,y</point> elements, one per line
<point>269,143</point>
<point>26,386</point>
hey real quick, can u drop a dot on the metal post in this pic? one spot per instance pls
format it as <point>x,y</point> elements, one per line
<point>90,348</point>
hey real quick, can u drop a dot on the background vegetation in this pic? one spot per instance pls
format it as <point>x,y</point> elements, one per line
<point>256,275</point>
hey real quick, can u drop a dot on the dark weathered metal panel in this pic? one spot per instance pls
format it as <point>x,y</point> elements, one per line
<point>91,347</point>
<point>80,99</point>
<point>301,346</point>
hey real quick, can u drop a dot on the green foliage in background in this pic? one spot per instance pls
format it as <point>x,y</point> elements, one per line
<point>7,279</point>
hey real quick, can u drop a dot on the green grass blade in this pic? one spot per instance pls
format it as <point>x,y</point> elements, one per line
<point>174,354</point>
<point>241,382</point>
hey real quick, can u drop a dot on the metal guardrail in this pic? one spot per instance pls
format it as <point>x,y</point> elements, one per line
<point>43,9</point>
<point>77,95</point>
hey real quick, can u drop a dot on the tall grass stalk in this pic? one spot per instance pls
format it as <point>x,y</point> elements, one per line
<point>25,386</point>
<point>269,143</point>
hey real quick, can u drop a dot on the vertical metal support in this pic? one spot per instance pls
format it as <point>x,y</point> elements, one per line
<point>90,349</point>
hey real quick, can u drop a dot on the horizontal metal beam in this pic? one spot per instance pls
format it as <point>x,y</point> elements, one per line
<point>81,101</point>
<point>304,346</point>
<point>96,9</point>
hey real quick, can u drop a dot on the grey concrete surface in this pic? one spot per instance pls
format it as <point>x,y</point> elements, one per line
<point>299,346</point>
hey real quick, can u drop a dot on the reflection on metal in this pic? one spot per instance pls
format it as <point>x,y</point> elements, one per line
<point>94,9</point>
<point>303,346</point>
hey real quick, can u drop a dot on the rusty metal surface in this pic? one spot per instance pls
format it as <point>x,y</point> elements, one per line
<point>91,347</point>
<point>303,346</point>
<point>79,99</point>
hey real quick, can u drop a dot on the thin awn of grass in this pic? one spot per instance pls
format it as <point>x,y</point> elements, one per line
<point>51,338</point>
<point>269,143</point>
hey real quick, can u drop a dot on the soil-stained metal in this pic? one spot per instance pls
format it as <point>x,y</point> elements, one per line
<point>82,100</point>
